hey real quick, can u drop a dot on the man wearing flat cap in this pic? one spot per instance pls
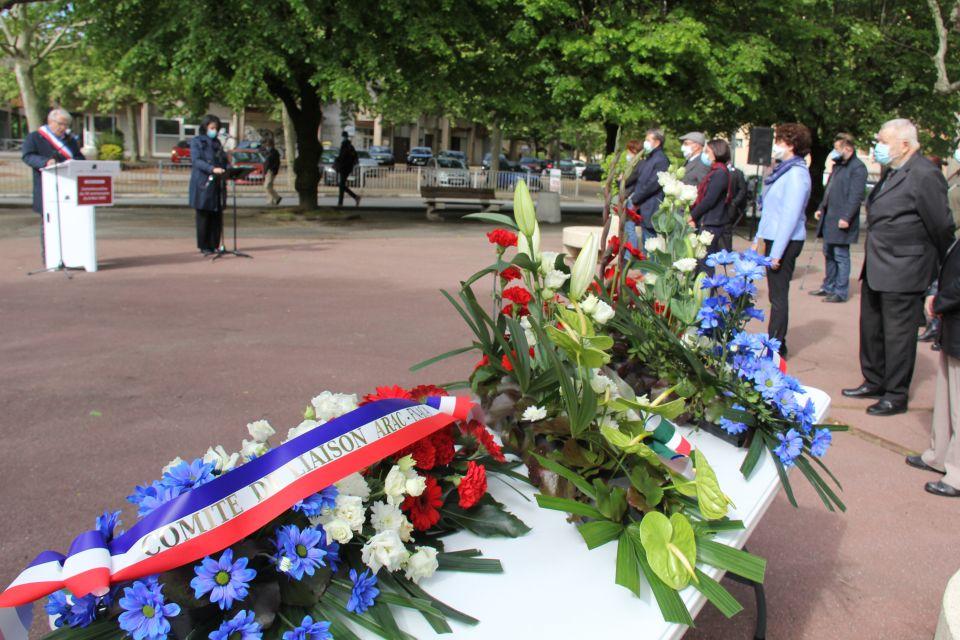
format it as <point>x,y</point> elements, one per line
<point>691,144</point>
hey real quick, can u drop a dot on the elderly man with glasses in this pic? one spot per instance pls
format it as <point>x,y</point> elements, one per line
<point>51,144</point>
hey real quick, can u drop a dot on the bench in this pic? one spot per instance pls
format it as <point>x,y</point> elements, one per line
<point>439,197</point>
<point>575,237</point>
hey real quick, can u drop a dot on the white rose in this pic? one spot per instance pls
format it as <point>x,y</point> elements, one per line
<point>672,189</point>
<point>394,485</point>
<point>664,178</point>
<point>302,428</point>
<point>338,530</point>
<point>252,449</point>
<point>415,485</point>
<point>700,252</point>
<point>600,383</point>
<point>261,431</point>
<point>688,193</point>
<point>655,244</point>
<point>385,549</point>
<point>705,238</point>
<point>221,460</point>
<point>547,261</point>
<point>589,304</point>
<point>350,509</point>
<point>650,278</point>
<point>603,313</point>
<point>534,413</point>
<point>528,331</point>
<point>555,279</point>
<point>385,517</point>
<point>328,406</point>
<point>354,485</point>
<point>176,462</point>
<point>422,564</point>
<point>685,265</point>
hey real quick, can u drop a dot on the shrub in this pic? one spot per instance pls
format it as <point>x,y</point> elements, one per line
<point>110,152</point>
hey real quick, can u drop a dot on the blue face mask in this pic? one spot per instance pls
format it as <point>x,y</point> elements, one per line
<point>835,155</point>
<point>211,133</point>
<point>956,155</point>
<point>704,158</point>
<point>881,153</point>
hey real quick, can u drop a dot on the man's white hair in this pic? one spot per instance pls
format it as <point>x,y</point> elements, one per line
<point>59,113</point>
<point>903,129</point>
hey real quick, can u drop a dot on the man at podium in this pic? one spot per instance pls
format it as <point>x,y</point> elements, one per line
<point>49,145</point>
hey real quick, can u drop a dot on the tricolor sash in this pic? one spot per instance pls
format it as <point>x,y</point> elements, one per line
<point>56,143</point>
<point>211,517</point>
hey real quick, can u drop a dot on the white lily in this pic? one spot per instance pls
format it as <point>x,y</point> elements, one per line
<point>584,268</point>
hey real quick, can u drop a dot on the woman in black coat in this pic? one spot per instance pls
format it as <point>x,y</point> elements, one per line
<point>207,187</point>
<point>709,210</point>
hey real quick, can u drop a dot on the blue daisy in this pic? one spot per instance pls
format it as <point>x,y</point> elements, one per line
<point>299,551</point>
<point>243,626</point>
<point>364,592</point>
<point>732,426</point>
<point>314,505</point>
<point>73,612</point>
<point>188,475</point>
<point>107,524</point>
<point>309,630</point>
<point>225,580</point>
<point>145,611</point>
<point>791,444</point>
<point>822,438</point>
<point>152,497</point>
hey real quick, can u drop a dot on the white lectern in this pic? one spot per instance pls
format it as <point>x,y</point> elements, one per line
<point>71,192</point>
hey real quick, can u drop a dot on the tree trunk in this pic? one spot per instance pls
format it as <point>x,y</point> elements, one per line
<point>133,135</point>
<point>23,71</point>
<point>289,142</point>
<point>611,131</point>
<point>496,142</point>
<point>309,150</point>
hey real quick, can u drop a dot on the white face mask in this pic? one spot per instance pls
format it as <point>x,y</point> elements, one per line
<point>778,152</point>
<point>687,151</point>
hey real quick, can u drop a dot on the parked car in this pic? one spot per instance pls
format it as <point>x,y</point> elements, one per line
<point>248,158</point>
<point>505,163</point>
<point>445,171</point>
<point>567,168</point>
<point>507,180</point>
<point>181,153</point>
<point>592,171</point>
<point>419,156</point>
<point>532,164</point>
<point>383,155</point>
<point>450,153</point>
<point>327,158</point>
<point>578,167</point>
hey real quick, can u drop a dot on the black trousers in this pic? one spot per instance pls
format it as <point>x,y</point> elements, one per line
<point>209,229</point>
<point>888,339</point>
<point>342,179</point>
<point>778,288</point>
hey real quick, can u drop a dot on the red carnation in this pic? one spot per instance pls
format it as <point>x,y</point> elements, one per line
<point>422,509</point>
<point>505,362</point>
<point>473,486</point>
<point>503,238</point>
<point>632,284</point>
<point>518,295</point>
<point>510,273</point>
<point>484,437</point>
<point>382,393</point>
<point>634,216</point>
<point>636,252</point>
<point>423,391</point>
<point>614,244</point>
<point>482,362</point>
<point>521,310</point>
<point>444,446</point>
<point>423,452</point>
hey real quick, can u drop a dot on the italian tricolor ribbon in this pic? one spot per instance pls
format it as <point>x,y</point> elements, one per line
<point>213,516</point>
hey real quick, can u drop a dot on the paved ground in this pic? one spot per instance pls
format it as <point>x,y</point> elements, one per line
<point>107,376</point>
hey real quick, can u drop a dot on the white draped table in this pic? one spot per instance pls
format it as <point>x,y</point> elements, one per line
<point>554,587</point>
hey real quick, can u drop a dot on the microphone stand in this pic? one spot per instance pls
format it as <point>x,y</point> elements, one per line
<point>62,265</point>
<point>232,174</point>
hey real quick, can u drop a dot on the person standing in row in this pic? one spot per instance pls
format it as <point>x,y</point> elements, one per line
<point>909,230</point>
<point>345,162</point>
<point>782,221</point>
<point>714,193</point>
<point>48,146</point>
<point>838,217</point>
<point>207,189</point>
<point>647,190</point>
<point>271,165</point>
<point>691,145</point>
<point>736,207</point>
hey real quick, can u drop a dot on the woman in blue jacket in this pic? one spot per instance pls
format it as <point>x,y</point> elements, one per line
<point>709,210</point>
<point>783,220</point>
<point>207,188</point>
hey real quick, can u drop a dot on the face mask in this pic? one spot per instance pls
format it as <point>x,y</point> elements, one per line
<point>836,155</point>
<point>687,151</point>
<point>881,153</point>
<point>647,146</point>
<point>211,133</point>
<point>778,152</point>
<point>705,159</point>
<point>956,155</point>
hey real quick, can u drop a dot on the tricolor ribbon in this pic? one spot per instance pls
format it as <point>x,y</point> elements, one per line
<point>56,143</point>
<point>211,517</point>
<point>665,440</point>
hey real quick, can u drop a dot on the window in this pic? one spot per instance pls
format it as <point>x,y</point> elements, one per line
<point>166,134</point>
<point>364,137</point>
<point>104,124</point>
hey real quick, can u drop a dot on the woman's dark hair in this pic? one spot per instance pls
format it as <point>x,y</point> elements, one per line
<point>721,150</point>
<point>207,121</point>
<point>634,146</point>
<point>794,134</point>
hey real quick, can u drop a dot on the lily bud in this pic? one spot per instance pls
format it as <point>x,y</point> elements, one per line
<point>523,210</point>
<point>584,268</point>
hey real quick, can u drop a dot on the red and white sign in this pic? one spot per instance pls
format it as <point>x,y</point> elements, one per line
<point>96,191</point>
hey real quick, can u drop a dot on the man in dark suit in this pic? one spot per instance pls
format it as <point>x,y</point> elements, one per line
<point>736,207</point>
<point>909,228</point>
<point>839,217</point>
<point>46,147</point>
<point>345,162</point>
<point>647,191</point>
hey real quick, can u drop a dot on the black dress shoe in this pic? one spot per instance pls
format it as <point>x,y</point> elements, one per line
<point>942,489</point>
<point>917,461</point>
<point>863,391</point>
<point>886,408</point>
<point>819,292</point>
<point>834,298</point>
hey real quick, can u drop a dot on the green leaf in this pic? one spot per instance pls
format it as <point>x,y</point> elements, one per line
<point>670,603</point>
<point>416,590</point>
<point>711,500</point>
<point>570,506</point>
<point>753,456</point>
<point>486,519</point>
<point>442,356</point>
<point>645,483</point>
<point>736,561</point>
<point>628,573</point>
<point>496,218</point>
<point>715,593</point>
<point>671,547</point>
<point>599,532</point>
<point>563,340</point>
<point>576,479</point>
<point>525,262</point>
<point>454,562</point>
